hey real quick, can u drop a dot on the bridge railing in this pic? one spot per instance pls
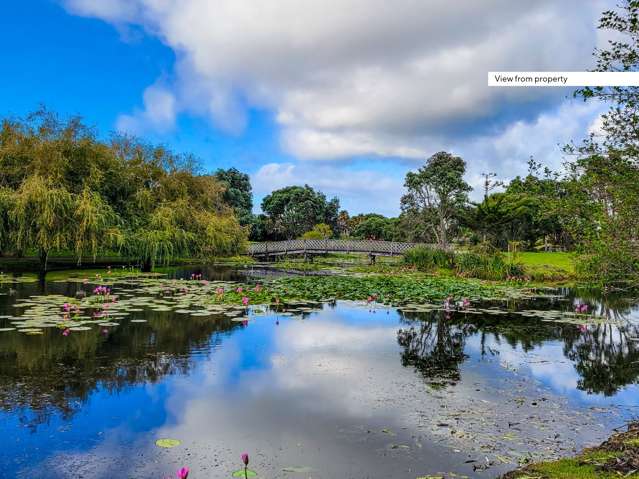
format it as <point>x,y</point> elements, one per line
<point>329,245</point>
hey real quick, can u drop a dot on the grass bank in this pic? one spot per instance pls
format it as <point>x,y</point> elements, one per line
<point>551,267</point>
<point>615,458</point>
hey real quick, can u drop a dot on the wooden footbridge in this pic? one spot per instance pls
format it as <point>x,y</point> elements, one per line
<point>312,247</point>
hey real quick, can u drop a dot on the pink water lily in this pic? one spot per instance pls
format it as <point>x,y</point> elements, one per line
<point>581,308</point>
<point>257,288</point>
<point>245,301</point>
<point>66,332</point>
<point>245,458</point>
<point>183,473</point>
<point>239,290</point>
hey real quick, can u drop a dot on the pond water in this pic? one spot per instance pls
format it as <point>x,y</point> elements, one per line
<point>339,390</point>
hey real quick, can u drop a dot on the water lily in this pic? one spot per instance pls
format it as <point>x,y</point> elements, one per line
<point>245,301</point>
<point>183,473</point>
<point>239,290</point>
<point>466,303</point>
<point>66,332</point>
<point>257,288</point>
<point>581,308</point>
<point>245,460</point>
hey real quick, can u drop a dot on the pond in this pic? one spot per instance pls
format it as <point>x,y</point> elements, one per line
<point>322,390</point>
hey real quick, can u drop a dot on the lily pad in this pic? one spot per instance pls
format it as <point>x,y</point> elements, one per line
<point>167,443</point>
<point>298,469</point>
<point>242,473</point>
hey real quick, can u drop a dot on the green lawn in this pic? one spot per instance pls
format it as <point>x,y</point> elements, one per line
<point>544,266</point>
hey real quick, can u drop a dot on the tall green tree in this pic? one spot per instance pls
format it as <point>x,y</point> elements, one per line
<point>620,123</point>
<point>238,193</point>
<point>294,210</point>
<point>436,193</point>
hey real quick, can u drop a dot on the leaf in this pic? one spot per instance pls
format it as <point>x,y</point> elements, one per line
<point>299,470</point>
<point>241,473</point>
<point>167,443</point>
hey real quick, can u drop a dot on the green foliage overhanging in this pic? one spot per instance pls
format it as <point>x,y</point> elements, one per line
<point>63,190</point>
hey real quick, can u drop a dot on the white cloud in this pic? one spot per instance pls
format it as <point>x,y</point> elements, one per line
<point>359,190</point>
<point>355,77</point>
<point>158,113</point>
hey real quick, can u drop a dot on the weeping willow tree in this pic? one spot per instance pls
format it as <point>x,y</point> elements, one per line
<point>178,230</point>
<point>6,204</point>
<point>95,225</point>
<point>62,190</point>
<point>41,216</point>
<point>164,238</point>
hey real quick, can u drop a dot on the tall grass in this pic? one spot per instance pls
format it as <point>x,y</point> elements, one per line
<point>487,266</point>
<point>425,258</point>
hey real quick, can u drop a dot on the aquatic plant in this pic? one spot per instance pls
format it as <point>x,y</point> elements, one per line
<point>487,266</point>
<point>581,308</point>
<point>245,460</point>
<point>183,473</point>
<point>425,258</point>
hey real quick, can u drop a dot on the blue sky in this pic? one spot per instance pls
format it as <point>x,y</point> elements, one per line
<point>344,95</point>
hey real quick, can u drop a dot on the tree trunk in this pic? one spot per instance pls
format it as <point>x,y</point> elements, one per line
<point>44,259</point>
<point>442,232</point>
<point>147,265</point>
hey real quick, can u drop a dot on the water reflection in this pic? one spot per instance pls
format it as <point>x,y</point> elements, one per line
<point>605,356</point>
<point>53,373</point>
<point>334,391</point>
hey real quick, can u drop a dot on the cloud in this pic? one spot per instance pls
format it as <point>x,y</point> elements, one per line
<point>346,78</point>
<point>359,190</point>
<point>373,188</point>
<point>159,113</point>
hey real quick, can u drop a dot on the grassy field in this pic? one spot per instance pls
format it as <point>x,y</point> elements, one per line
<point>544,266</point>
<point>553,267</point>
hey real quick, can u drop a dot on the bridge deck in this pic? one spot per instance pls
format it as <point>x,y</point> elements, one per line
<point>372,247</point>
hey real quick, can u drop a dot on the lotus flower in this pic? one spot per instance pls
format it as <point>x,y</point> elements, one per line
<point>183,473</point>
<point>239,290</point>
<point>66,332</point>
<point>245,301</point>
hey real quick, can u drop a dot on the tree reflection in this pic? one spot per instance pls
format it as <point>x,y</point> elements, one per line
<point>435,347</point>
<point>605,356</point>
<point>52,373</point>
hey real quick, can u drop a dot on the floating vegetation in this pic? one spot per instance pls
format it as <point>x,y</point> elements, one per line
<point>244,473</point>
<point>167,443</point>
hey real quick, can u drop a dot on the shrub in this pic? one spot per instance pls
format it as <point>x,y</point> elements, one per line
<point>487,266</point>
<point>319,231</point>
<point>425,258</point>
